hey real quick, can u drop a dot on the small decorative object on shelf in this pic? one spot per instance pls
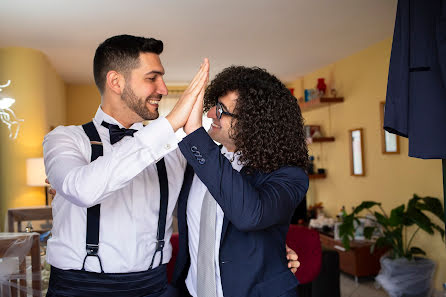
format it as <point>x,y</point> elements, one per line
<point>321,86</point>
<point>306,95</point>
<point>312,131</point>
<point>29,228</point>
<point>314,210</point>
<point>333,92</point>
<point>311,165</point>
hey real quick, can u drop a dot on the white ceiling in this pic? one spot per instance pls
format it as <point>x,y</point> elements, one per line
<point>287,37</point>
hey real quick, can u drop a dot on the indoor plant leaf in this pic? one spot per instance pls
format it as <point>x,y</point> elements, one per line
<point>381,219</point>
<point>421,220</point>
<point>365,205</point>
<point>432,205</point>
<point>396,216</point>
<point>368,232</point>
<point>416,250</point>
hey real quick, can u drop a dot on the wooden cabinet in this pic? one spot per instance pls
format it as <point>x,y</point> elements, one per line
<point>358,261</point>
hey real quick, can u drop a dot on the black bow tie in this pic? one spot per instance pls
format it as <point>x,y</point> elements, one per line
<point>116,133</point>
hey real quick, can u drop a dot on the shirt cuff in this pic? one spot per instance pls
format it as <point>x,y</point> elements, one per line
<point>158,136</point>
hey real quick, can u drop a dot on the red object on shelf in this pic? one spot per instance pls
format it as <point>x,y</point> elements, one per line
<point>321,86</point>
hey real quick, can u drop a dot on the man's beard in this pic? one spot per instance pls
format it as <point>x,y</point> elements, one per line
<point>138,105</point>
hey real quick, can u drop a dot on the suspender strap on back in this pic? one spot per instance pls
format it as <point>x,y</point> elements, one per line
<point>94,212</point>
<point>164,198</point>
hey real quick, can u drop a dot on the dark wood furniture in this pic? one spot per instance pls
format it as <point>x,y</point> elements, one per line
<point>358,261</point>
<point>317,175</point>
<point>28,214</point>
<point>322,139</point>
<point>12,246</point>
<point>319,102</point>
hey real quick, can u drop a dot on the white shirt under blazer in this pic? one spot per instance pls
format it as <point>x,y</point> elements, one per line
<point>196,195</point>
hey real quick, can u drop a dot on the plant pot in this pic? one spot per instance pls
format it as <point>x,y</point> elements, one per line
<point>403,278</point>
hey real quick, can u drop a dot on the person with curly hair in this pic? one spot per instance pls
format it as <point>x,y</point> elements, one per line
<point>237,200</point>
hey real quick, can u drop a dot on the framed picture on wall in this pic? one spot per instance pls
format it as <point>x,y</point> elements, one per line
<point>389,141</point>
<point>356,152</point>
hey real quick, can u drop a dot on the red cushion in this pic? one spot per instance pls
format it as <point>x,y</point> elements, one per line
<point>306,243</point>
<point>171,264</point>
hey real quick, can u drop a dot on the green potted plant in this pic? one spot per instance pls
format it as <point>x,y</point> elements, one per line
<point>402,272</point>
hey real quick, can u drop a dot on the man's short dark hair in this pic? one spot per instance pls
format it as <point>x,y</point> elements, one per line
<point>121,53</point>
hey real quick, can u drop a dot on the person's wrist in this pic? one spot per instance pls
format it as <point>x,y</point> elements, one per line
<point>175,125</point>
<point>190,129</point>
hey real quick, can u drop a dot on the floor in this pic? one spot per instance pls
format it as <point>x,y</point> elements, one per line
<point>365,288</point>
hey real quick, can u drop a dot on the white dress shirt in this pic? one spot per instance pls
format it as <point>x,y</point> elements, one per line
<point>125,181</point>
<point>193,214</point>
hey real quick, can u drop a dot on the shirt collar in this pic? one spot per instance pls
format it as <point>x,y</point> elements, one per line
<point>102,116</point>
<point>233,158</point>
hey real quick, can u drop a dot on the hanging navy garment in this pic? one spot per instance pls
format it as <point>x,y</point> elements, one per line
<point>416,89</point>
<point>82,283</point>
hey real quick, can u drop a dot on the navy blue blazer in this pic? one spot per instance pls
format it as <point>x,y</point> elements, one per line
<point>416,89</point>
<point>258,208</point>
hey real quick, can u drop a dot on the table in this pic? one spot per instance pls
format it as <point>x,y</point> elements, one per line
<point>358,261</point>
<point>28,214</point>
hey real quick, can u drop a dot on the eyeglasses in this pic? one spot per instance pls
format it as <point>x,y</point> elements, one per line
<point>219,111</point>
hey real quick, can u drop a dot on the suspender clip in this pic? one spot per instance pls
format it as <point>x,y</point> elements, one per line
<point>160,245</point>
<point>92,249</point>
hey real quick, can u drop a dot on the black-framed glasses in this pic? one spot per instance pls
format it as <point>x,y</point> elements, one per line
<point>219,111</point>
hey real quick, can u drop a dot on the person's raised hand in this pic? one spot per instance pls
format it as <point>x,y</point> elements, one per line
<point>195,119</point>
<point>182,109</point>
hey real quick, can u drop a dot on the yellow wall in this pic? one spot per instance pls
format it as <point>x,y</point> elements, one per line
<point>40,100</point>
<point>82,102</point>
<point>391,179</point>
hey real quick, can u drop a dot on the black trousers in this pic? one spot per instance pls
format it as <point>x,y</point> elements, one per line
<point>73,283</point>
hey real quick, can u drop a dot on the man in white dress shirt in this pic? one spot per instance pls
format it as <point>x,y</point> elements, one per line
<point>129,257</point>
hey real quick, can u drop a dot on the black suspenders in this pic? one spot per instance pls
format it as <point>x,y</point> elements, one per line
<point>94,212</point>
<point>164,198</point>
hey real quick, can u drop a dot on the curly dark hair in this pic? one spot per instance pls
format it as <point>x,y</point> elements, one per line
<point>121,53</point>
<point>269,128</point>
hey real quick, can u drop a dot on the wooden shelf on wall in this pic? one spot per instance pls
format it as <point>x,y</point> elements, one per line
<point>317,176</point>
<point>320,139</point>
<point>319,102</point>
